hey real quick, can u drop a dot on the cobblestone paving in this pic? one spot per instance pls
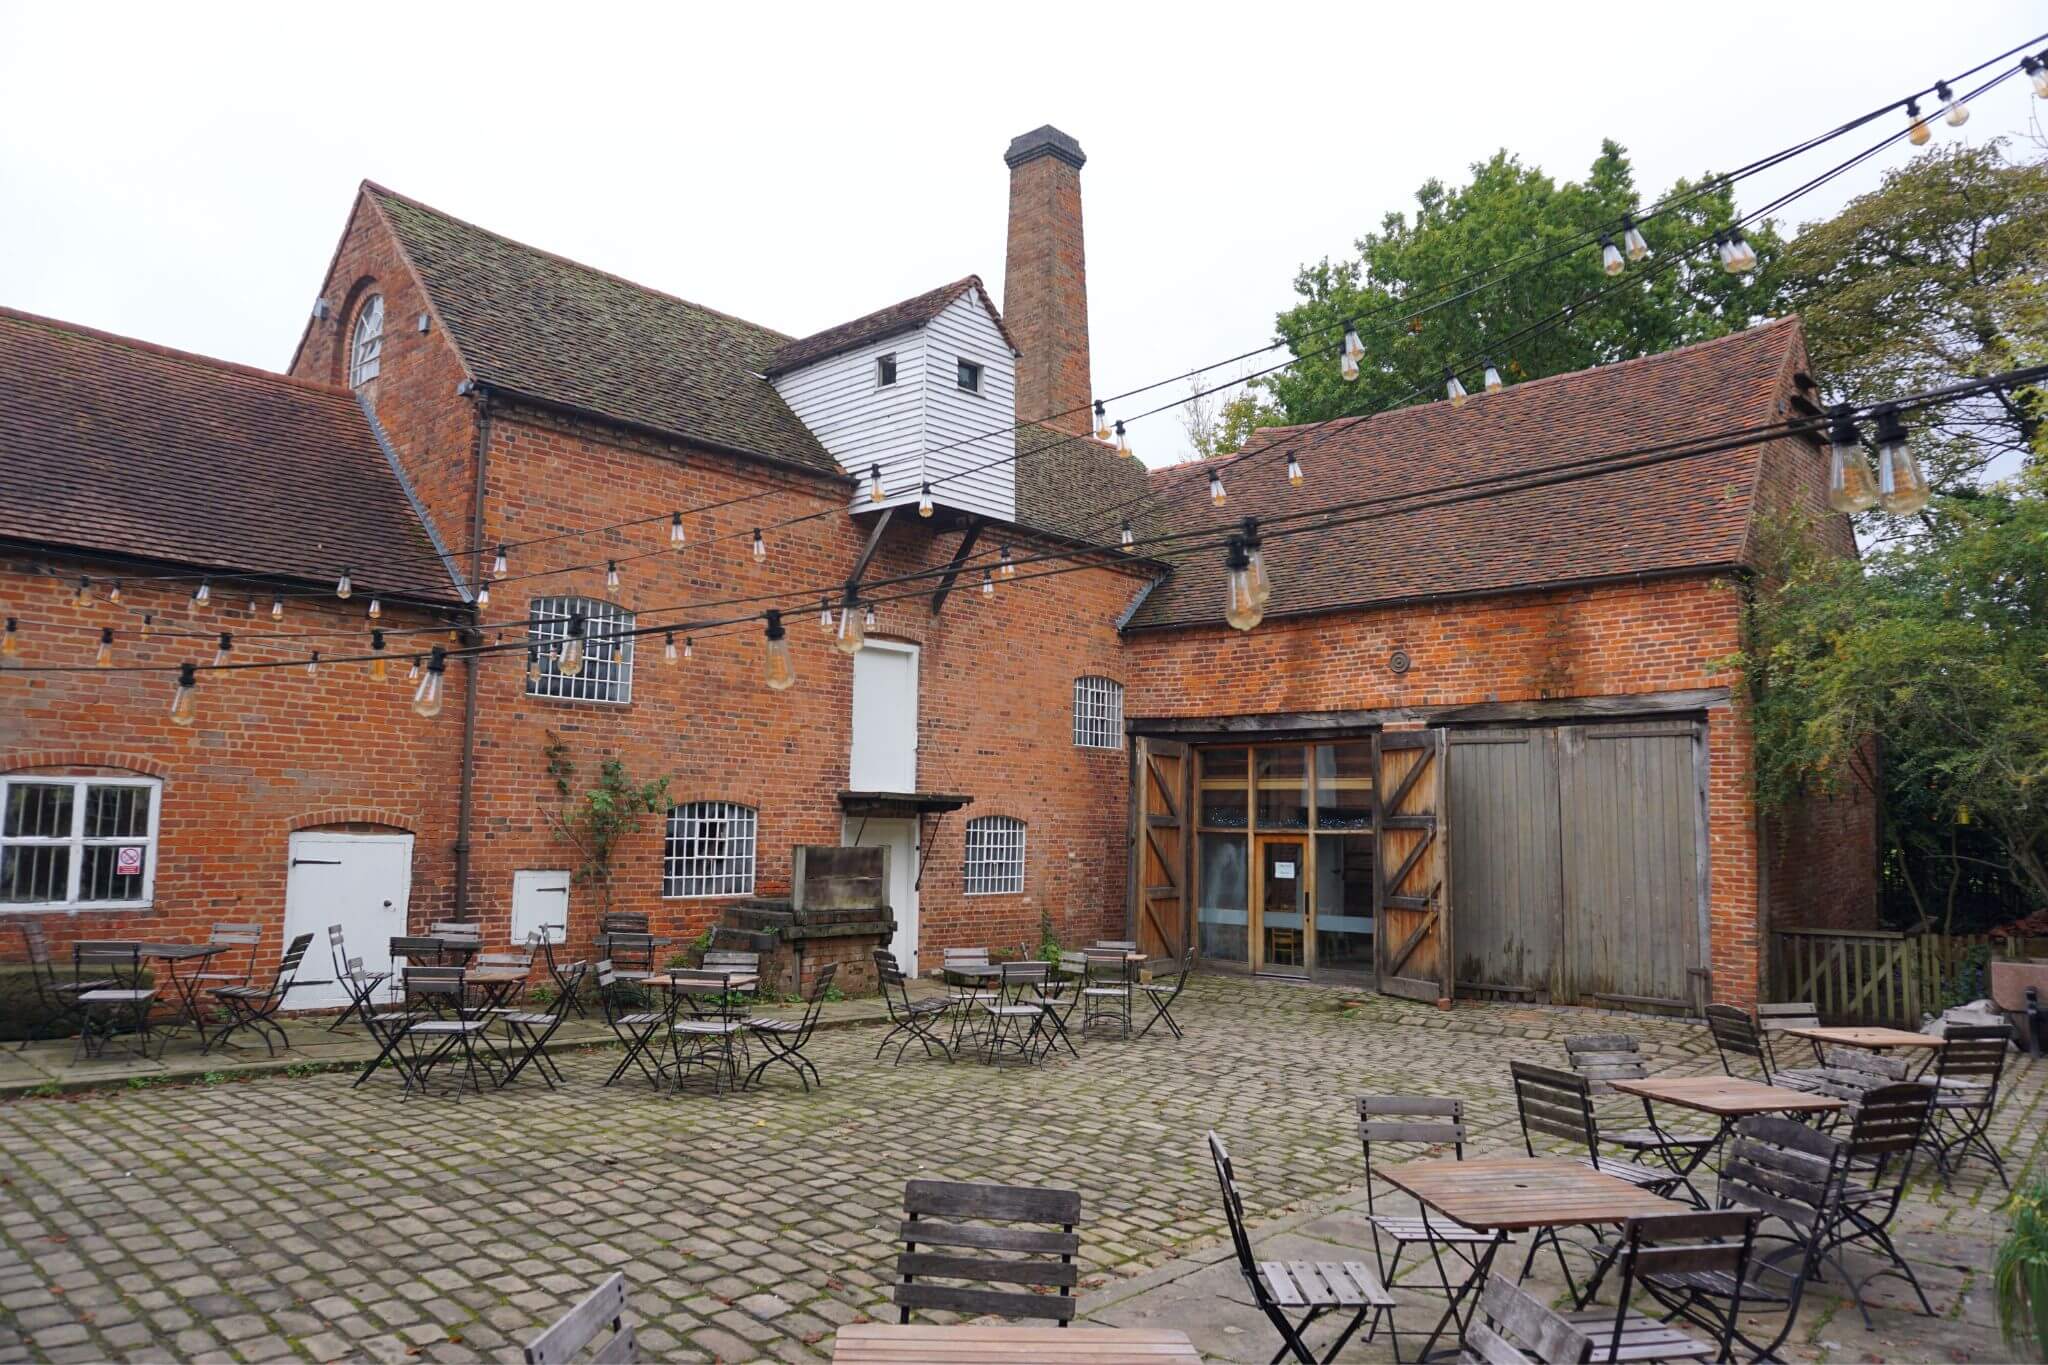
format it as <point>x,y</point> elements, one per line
<point>298,1218</point>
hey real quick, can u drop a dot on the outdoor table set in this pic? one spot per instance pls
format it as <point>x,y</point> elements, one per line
<point>1020,1011</point>
<point>445,1015</point>
<point>681,1022</point>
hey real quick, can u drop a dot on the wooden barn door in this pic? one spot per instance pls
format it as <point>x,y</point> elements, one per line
<point>1159,846</point>
<point>1412,894</point>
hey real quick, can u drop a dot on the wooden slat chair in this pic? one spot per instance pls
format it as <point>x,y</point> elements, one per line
<point>1058,995</point>
<point>105,1009</point>
<point>1514,1327</point>
<point>713,1036</point>
<point>255,1007</point>
<point>1413,1125</point>
<point>624,1002</point>
<point>953,1220</point>
<point>1670,1245</point>
<point>1774,1019</point>
<point>784,1040</point>
<point>1016,1017</point>
<point>444,1030</point>
<point>530,1030</point>
<point>461,940</point>
<point>231,936</point>
<point>1116,945</point>
<point>915,1021</point>
<point>360,983</point>
<point>735,962</point>
<point>631,954</point>
<point>1967,1073</point>
<point>1737,1035</point>
<point>623,922</point>
<point>578,1328</point>
<point>1106,996</point>
<point>58,998</point>
<point>1850,1073</point>
<point>1889,1124</point>
<point>1164,988</point>
<point>968,996</point>
<point>1604,1058</point>
<point>1311,1288</point>
<point>411,950</point>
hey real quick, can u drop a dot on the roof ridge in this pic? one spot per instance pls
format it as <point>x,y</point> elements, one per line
<point>171,352</point>
<point>1726,338</point>
<point>372,187</point>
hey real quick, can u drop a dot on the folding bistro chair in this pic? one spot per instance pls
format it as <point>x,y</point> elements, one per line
<point>1773,1019</point>
<point>967,998</point>
<point>104,1008</point>
<point>916,1021</point>
<point>1710,1244</point>
<point>554,965</point>
<point>974,1236</point>
<point>784,1040</point>
<point>1057,996</point>
<point>1889,1123</point>
<point>444,1030</point>
<point>1116,945</point>
<point>1966,1077</point>
<point>713,1039</point>
<point>256,1007</point>
<point>1016,1017</point>
<point>231,936</point>
<point>360,984</point>
<point>1737,1035</point>
<point>625,1013</point>
<point>1514,1327</point>
<point>1407,1122</point>
<point>579,1327</point>
<point>1106,994</point>
<point>1321,1287</point>
<point>631,955</point>
<point>59,999</point>
<point>1604,1058</point>
<point>1163,989</point>
<point>530,1030</point>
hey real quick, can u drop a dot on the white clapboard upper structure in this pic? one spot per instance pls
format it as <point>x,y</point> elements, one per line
<point>923,390</point>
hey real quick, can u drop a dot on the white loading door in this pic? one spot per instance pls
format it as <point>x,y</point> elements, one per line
<point>540,901</point>
<point>899,837</point>
<point>361,882</point>
<point>884,719</point>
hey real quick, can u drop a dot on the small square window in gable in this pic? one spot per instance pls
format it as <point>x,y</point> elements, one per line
<point>885,370</point>
<point>970,376</point>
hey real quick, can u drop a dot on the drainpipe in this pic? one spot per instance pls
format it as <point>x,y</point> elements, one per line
<point>465,809</point>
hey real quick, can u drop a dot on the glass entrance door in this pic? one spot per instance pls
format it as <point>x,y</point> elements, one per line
<point>1284,913</point>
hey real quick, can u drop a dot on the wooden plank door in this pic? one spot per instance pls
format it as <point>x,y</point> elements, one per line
<point>1412,891</point>
<point>1159,846</point>
<point>1505,859</point>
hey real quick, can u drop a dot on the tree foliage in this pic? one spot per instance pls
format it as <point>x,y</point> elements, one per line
<point>596,820</point>
<point>1493,231</point>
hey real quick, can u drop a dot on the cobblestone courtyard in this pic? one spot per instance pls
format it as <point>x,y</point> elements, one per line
<point>298,1218</point>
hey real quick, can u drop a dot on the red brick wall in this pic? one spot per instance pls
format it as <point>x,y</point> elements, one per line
<point>272,751</point>
<point>1045,294</point>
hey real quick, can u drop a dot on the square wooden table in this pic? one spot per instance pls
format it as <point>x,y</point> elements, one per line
<point>1727,1097</point>
<point>1873,1039</point>
<point>916,1343</point>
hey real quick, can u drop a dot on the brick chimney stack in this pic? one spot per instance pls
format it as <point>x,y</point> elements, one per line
<point>1045,280</point>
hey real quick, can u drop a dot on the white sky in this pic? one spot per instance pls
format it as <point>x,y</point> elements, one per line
<point>181,173</point>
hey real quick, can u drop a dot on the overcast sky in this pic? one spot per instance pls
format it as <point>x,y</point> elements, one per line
<point>181,172</point>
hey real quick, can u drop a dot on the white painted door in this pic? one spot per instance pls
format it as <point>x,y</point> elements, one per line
<point>899,837</point>
<point>540,900</point>
<point>884,718</point>
<point>361,882</point>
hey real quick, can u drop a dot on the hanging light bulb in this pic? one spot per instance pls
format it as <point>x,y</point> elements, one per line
<point>378,670</point>
<point>1128,539</point>
<point>688,650</point>
<point>853,629</point>
<point>1242,608</point>
<point>1353,347</point>
<point>1918,133</point>
<point>483,596</point>
<point>611,579</point>
<point>227,647</point>
<point>1610,256</point>
<point>412,675</point>
<point>1123,442</point>
<point>1347,366</point>
<point>1454,390</point>
<point>825,615</point>
<point>874,483</point>
<point>988,583</point>
<point>1294,474</point>
<point>668,648</point>
<point>1632,240</point>
<point>1008,567</point>
<point>1901,485</point>
<point>1851,487</point>
<point>1741,255</point>
<point>868,616</point>
<point>778,669</point>
<point>1216,493</point>
<point>1491,381</point>
<point>252,607</point>
<point>185,701</point>
<point>760,547</point>
<point>148,620</point>
<point>1102,431</point>
<point>498,566</point>
<point>376,608</point>
<point>202,594</point>
<point>10,640</point>
<point>569,658</point>
<point>343,587</point>
<point>277,607</point>
<point>313,665</point>
<point>1958,112</point>
<point>114,592</point>
<point>2037,72</point>
<point>426,698</point>
<point>924,501</point>
<point>81,597</point>
<point>103,657</point>
<point>1255,551</point>
<point>676,535</point>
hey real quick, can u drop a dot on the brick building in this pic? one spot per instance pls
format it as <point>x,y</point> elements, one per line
<point>1488,747</point>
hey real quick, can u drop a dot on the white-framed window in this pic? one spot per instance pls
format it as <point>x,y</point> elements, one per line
<point>366,343</point>
<point>607,672</point>
<point>1098,713</point>
<point>995,855</point>
<point>709,850</point>
<point>78,843</point>
<point>885,370</point>
<point>970,376</point>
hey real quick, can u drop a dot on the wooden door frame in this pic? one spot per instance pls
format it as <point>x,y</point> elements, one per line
<point>1255,901</point>
<point>1430,855</point>
<point>1179,867</point>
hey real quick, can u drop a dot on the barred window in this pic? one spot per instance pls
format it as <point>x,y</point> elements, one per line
<point>1098,713</point>
<point>710,850</point>
<point>72,843</point>
<point>995,855</point>
<point>366,344</point>
<point>607,672</point>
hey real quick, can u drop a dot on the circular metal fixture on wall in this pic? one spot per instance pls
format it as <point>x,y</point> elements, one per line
<point>1399,662</point>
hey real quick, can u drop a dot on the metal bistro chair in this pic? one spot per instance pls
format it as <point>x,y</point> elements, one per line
<point>1106,996</point>
<point>1712,1244</point>
<point>1514,1327</point>
<point>1773,1019</point>
<point>1281,1287</point>
<point>231,936</point>
<point>1736,1034</point>
<point>58,999</point>
<point>443,1031</point>
<point>1408,1122</point>
<point>461,940</point>
<point>714,1039</point>
<point>1016,1017</point>
<point>530,1030</point>
<point>967,997</point>
<point>1163,989</point>
<point>784,1040</point>
<point>1116,945</point>
<point>103,1008</point>
<point>411,950</point>
<point>1889,1124</point>
<point>360,984</point>
<point>972,1235</point>
<point>1058,996</point>
<point>625,1012</point>
<point>916,1021</point>
<point>631,954</point>
<point>255,1007</point>
<point>579,1327</point>
<point>1603,1058</point>
<point>1966,1077</point>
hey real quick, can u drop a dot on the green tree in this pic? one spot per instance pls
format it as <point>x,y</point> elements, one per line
<point>1934,277</point>
<point>597,819</point>
<point>1501,225</point>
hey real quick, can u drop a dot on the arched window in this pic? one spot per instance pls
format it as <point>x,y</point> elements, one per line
<point>607,672</point>
<point>709,851</point>
<point>366,343</point>
<point>995,856</point>
<point>1098,713</point>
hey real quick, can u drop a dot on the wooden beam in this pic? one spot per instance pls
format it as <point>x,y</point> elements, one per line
<point>860,566</point>
<point>1322,724</point>
<point>953,570</point>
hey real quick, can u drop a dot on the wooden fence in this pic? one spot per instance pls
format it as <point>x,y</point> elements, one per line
<point>1873,976</point>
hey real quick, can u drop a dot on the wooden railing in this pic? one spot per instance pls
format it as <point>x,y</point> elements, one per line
<point>1874,976</point>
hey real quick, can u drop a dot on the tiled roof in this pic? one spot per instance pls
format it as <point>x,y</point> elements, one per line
<point>1690,513</point>
<point>116,445</point>
<point>883,322</point>
<point>538,325</point>
<point>1064,483</point>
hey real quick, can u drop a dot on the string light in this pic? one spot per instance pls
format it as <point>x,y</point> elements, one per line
<point>1216,493</point>
<point>379,672</point>
<point>869,616</point>
<point>1242,609</point>
<point>343,588</point>
<point>778,669</point>
<point>1453,390</point>
<point>1632,240</point>
<point>426,698</point>
<point>924,501</point>
<point>1128,539</point>
<point>668,649</point>
<point>853,631</point>
<point>874,483</point>
<point>1351,352</point>
<point>1255,552</point>
<point>148,620</point>
<point>376,608</point>
<point>677,536</point>
<point>252,607</point>
<point>227,647</point>
<point>202,594</point>
<point>1958,112</point>
<point>1491,382</point>
<point>569,658</point>
<point>1901,484</point>
<point>1347,366</point>
<point>313,665</point>
<point>988,583</point>
<point>277,607</point>
<point>1009,568</point>
<point>483,595</point>
<point>1610,256</point>
<point>760,547</point>
<point>1918,133</point>
<point>103,657</point>
<point>185,701</point>
<point>114,593</point>
<point>1741,253</point>
<point>413,674</point>
<point>498,565</point>
<point>2037,72</point>
<point>10,640</point>
<point>1102,431</point>
<point>611,579</point>
<point>1294,474</point>
<point>1123,442</point>
<point>825,615</point>
<point>1851,487</point>
<point>687,649</point>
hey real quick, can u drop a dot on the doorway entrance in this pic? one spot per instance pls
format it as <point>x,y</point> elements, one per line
<point>899,837</point>
<point>359,881</point>
<point>1282,910</point>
